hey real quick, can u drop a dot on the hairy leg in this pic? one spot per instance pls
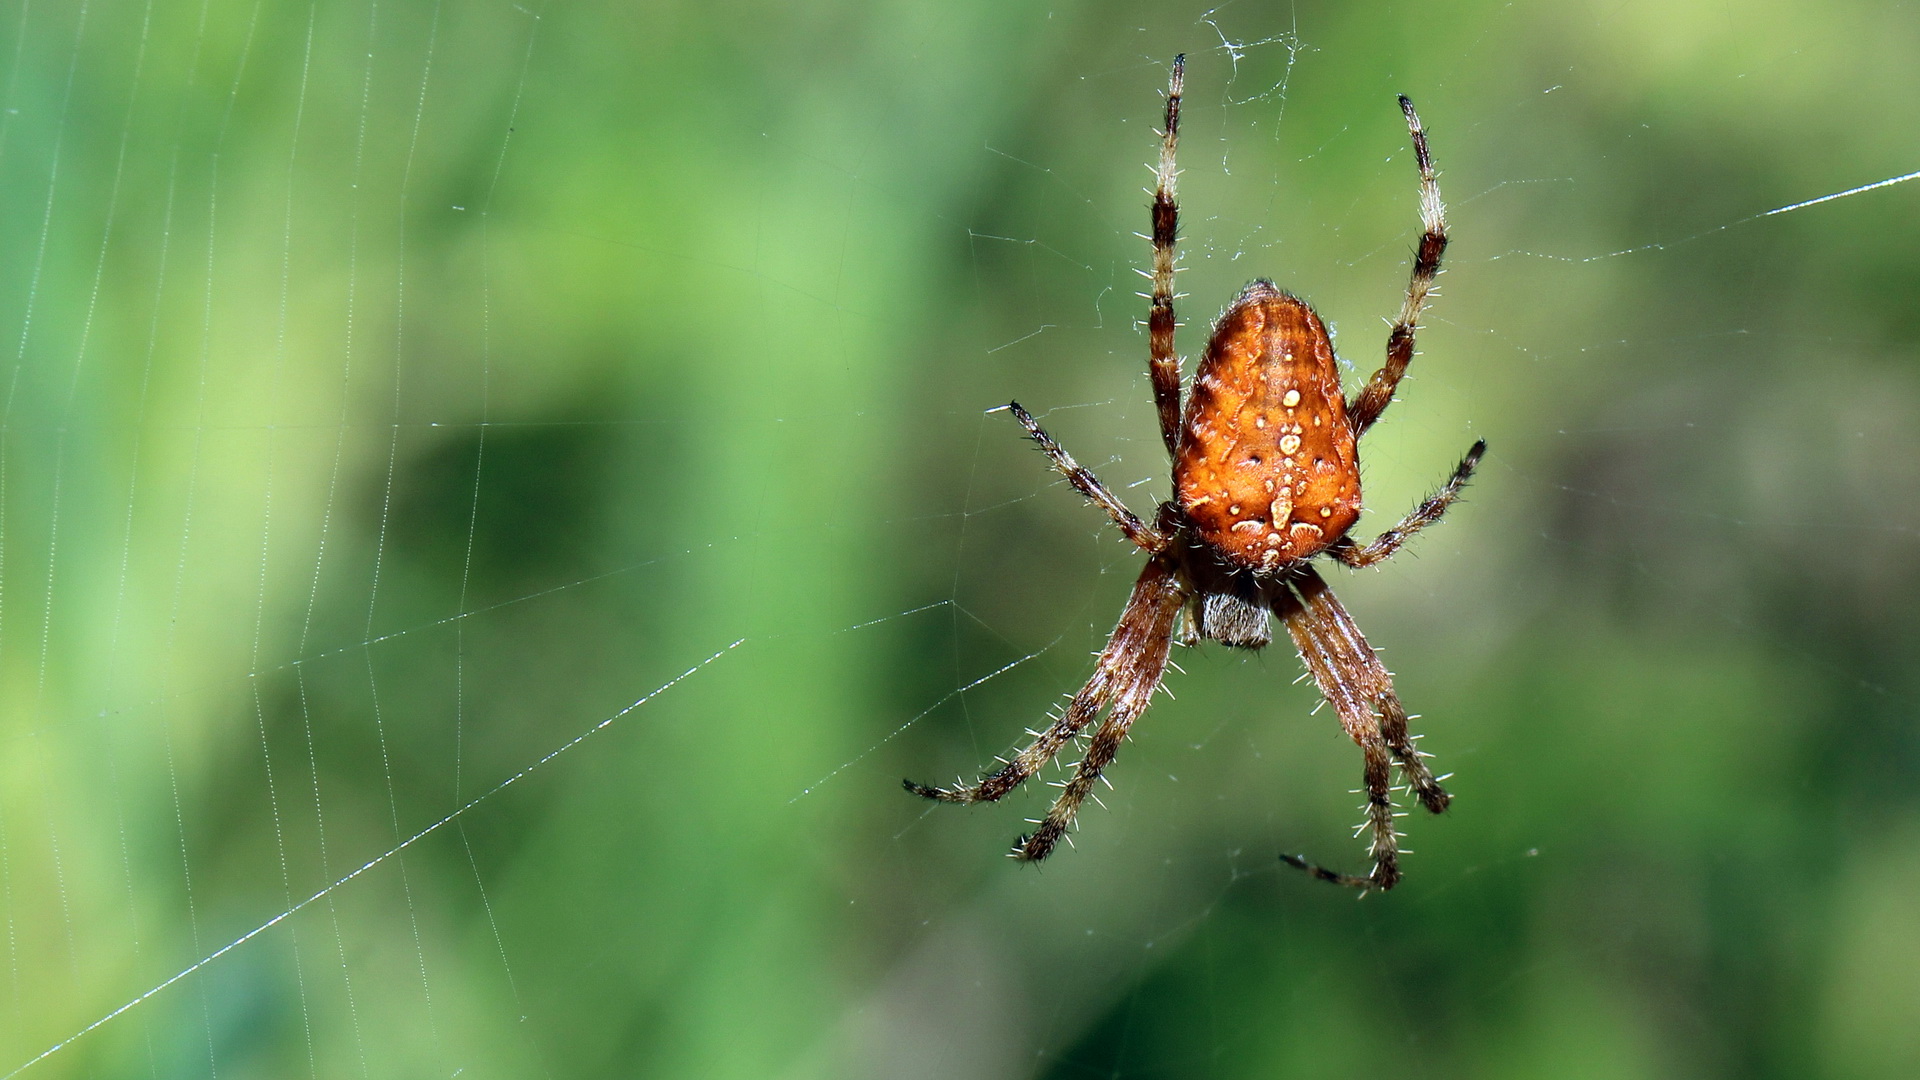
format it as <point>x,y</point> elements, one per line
<point>1422,516</point>
<point>1329,666</point>
<point>1372,400</point>
<point>1143,535</point>
<point>1134,660</point>
<point>1351,677</point>
<point>1163,362</point>
<point>1127,660</point>
<point>1340,640</point>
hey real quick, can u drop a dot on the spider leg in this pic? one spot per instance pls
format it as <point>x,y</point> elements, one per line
<point>1348,689</point>
<point>1134,660</point>
<point>1143,535</point>
<point>1351,881</point>
<point>1340,638</point>
<point>1372,400</point>
<point>1141,623</point>
<point>1078,714</point>
<point>1352,678</point>
<point>1422,516</point>
<point>1163,361</point>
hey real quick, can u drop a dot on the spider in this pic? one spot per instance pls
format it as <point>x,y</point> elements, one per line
<point>1266,476</point>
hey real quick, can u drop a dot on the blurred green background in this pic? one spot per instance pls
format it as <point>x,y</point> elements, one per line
<point>397,392</point>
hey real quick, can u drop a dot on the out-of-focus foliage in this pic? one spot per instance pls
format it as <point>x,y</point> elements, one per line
<point>396,392</point>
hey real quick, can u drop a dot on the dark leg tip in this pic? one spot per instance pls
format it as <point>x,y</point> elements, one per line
<point>1033,848</point>
<point>1383,878</point>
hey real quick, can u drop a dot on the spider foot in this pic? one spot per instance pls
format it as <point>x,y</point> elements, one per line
<point>1037,845</point>
<point>1419,779</point>
<point>1386,874</point>
<point>1426,787</point>
<point>952,795</point>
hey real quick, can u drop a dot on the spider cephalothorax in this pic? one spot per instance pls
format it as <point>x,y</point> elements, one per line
<point>1266,475</point>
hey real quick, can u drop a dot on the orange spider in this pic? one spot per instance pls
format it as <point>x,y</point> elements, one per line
<point>1266,475</point>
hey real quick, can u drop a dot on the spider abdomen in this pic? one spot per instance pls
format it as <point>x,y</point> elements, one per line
<point>1267,470</point>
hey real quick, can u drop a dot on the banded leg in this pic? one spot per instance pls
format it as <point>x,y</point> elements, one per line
<point>1357,717</point>
<point>1044,747</point>
<point>1145,536</point>
<point>1372,400</point>
<point>1422,516</point>
<point>1355,658</point>
<point>1126,660</point>
<point>1135,659</point>
<point>1352,678</point>
<point>1163,361</point>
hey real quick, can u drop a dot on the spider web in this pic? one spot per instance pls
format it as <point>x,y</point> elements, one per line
<point>494,497</point>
